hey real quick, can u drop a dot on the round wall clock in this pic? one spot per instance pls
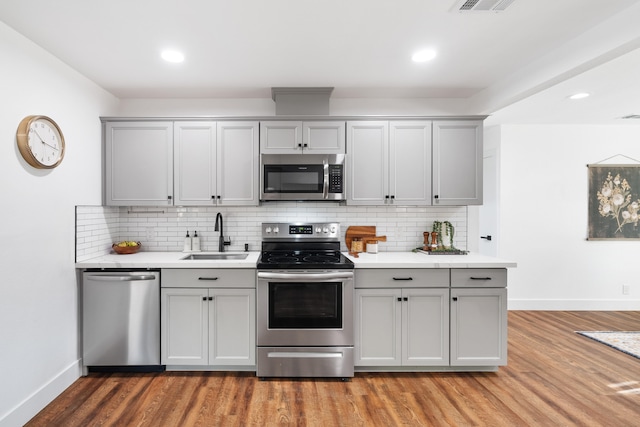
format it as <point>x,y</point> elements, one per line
<point>40,142</point>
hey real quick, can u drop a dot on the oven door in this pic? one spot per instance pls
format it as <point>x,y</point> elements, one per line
<point>299,308</point>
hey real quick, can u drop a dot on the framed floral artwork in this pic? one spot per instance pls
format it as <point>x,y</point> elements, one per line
<point>614,202</point>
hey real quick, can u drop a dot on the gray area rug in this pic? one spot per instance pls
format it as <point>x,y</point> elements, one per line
<point>627,342</point>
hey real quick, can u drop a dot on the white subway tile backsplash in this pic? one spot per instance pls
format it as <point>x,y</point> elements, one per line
<point>97,227</point>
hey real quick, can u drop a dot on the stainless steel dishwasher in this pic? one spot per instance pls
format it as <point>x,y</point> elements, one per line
<point>121,319</point>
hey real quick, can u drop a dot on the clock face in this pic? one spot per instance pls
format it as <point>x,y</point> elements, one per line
<point>40,142</point>
<point>44,142</point>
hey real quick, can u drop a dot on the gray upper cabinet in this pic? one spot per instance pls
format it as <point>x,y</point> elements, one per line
<point>457,162</point>
<point>194,163</point>
<point>389,162</point>
<point>238,163</point>
<point>297,137</point>
<point>414,162</point>
<point>139,163</point>
<point>368,169</point>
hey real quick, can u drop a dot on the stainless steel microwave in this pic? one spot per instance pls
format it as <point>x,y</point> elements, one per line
<point>302,177</point>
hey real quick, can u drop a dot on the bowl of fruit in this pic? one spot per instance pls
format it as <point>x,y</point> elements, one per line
<point>126,247</point>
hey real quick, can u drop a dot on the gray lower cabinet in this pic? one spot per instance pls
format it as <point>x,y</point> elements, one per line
<point>402,327</point>
<point>454,318</point>
<point>204,325</point>
<point>402,317</point>
<point>478,317</point>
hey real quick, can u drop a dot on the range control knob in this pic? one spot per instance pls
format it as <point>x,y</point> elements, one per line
<point>333,229</point>
<point>318,230</point>
<point>276,230</point>
<point>325,230</point>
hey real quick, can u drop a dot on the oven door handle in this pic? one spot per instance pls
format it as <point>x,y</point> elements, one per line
<point>307,277</point>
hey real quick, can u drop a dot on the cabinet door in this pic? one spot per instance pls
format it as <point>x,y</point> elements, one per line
<point>184,329</point>
<point>478,327</point>
<point>195,163</point>
<point>232,323</point>
<point>457,162</point>
<point>281,137</point>
<point>410,162</point>
<point>368,165</point>
<point>425,327</point>
<point>139,163</point>
<point>323,137</point>
<point>238,164</point>
<point>378,324</point>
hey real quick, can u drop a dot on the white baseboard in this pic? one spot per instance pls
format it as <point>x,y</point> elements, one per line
<point>40,398</point>
<point>574,305</point>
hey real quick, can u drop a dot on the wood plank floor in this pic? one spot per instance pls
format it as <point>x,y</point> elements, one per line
<point>555,377</point>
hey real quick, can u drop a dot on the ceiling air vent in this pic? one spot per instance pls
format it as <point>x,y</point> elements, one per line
<point>482,5</point>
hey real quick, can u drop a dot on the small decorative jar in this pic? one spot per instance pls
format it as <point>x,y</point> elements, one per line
<point>372,246</point>
<point>357,245</point>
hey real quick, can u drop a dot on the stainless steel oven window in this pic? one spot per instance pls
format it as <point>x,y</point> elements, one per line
<point>305,305</point>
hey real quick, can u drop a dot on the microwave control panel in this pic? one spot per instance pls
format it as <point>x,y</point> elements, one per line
<point>336,178</point>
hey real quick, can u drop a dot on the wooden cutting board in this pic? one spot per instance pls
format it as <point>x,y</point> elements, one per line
<point>359,231</point>
<point>363,232</point>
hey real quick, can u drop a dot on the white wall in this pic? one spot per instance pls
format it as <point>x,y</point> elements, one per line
<point>543,219</point>
<point>266,107</point>
<point>38,295</point>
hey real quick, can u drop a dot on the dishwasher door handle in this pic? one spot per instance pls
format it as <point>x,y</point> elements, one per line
<point>125,278</point>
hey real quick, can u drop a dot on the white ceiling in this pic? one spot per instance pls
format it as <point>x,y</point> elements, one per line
<point>518,65</point>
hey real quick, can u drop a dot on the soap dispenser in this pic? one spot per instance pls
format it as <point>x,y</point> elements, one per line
<point>187,243</point>
<point>195,242</point>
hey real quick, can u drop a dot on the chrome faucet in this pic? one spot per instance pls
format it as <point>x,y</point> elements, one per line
<point>221,242</point>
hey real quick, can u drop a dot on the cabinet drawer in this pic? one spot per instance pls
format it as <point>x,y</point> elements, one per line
<point>479,278</point>
<point>402,278</point>
<point>208,278</point>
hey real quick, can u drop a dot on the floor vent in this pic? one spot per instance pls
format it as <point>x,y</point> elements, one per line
<point>482,5</point>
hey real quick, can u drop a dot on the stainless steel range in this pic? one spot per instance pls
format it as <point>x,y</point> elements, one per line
<point>305,302</point>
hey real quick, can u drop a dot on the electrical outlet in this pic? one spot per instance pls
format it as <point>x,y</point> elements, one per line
<point>625,289</point>
<point>150,234</point>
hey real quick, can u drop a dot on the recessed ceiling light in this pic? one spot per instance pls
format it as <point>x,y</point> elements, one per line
<point>172,56</point>
<point>424,55</point>
<point>580,95</point>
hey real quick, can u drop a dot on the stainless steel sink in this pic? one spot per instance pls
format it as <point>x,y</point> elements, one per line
<point>213,257</point>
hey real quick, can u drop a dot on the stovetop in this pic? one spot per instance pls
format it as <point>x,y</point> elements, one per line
<point>310,259</point>
<point>302,246</point>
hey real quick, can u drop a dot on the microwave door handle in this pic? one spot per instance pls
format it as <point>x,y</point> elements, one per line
<point>325,185</point>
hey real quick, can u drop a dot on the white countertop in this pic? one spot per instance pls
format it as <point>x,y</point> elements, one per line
<point>423,260</point>
<point>166,260</point>
<point>365,260</point>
